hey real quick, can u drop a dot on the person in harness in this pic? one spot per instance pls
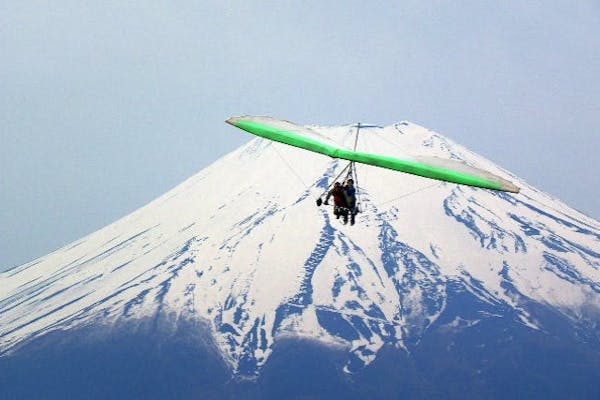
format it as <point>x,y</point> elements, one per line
<point>340,207</point>
<point>350,200</point>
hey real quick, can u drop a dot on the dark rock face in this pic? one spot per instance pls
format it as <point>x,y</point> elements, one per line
<point>496,358</point>
<point>128,362</point>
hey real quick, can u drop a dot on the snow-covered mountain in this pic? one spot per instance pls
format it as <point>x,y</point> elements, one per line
<point>242,248</point>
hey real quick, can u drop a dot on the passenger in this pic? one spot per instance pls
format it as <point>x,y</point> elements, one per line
<point>340,207</point>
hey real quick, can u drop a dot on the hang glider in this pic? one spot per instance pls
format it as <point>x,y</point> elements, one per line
<point>429,167</point>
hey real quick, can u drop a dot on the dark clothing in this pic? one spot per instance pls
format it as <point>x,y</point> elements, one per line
<point>340,208</point>
<point>350,195</point>
<point>339,199</point>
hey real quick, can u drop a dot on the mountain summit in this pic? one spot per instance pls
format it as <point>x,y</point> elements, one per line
<point>430,271</point>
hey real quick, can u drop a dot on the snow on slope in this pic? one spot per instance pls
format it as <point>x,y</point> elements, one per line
<point>243,246</point>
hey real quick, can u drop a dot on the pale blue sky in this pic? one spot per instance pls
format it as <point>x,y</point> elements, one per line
<point>104,106</point>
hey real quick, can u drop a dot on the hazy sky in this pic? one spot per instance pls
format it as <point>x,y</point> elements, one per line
<point>105,106</point>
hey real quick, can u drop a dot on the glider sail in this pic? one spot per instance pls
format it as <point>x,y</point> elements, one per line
<point>429,167</point>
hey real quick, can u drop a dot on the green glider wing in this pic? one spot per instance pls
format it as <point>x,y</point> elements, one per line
<point>429,167</point>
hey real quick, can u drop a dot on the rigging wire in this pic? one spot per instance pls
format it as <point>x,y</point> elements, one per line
<point>306,187</point>
<point>350,171</point>
<point>353,170</point>
<point>411,193</point>
<point>356,137</point>
<point>388,141</point>
<point>335,180</point>
<point>351,174</point>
